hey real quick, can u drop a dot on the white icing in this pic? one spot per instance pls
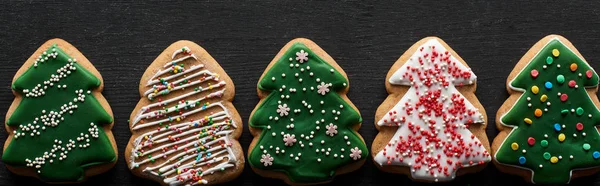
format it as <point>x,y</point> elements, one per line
<point>448,98</point>
<point>178,163</point>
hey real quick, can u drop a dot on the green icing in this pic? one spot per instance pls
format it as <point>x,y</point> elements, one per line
<point>559,112</point>
<point>71,169</point>
<point>307,169</point>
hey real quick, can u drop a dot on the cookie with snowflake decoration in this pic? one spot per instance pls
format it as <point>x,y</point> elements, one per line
<point>549,124</point>
<point>185,128</point>
<point>431,126</point>
<point>304,127</point>
<point>59,123</point>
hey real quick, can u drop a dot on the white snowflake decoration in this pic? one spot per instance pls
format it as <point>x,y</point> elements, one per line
<point>354,153</point>
<point>267,160</point>
<point>331,129</point>
<point>289,139</point>
<point>283,110</point>
<point>323,88</point>
<point>301,56</point>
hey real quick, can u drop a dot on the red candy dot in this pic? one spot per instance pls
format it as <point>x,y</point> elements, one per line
<point>564,97</point>
<point>572,83</point>
<point>534,73</point>
<point>589,74</point>
<point>579,126</point>
<point>531,141</point>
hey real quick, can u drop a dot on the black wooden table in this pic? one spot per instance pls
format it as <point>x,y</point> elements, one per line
<point>365,38</point>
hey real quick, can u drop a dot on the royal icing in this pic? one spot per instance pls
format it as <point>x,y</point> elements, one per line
<point>177,150</point>
<point>306,126</point>
<point>433,117</point>
<point>58,120</point>
<point>554,120</point>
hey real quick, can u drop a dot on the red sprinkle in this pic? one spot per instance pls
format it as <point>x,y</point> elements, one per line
<point>531,141</point>
<point>579,126</point>
<point>589,74</point>
<point>564,97</point>
<point>572,83</point>
<point>534,73</point>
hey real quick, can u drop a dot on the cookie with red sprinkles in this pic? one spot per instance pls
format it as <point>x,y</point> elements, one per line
<point>185,128</point>
<point>431,126</point>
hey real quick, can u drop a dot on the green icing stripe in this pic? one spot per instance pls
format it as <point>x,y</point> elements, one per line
<point>317,143</point>
<point>560,146</point>
<point>70,131</point>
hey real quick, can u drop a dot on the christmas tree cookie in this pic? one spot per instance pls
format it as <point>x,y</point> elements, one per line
<point>305,128</point>
<point>59,123</point>
<point>548,125</point>
<point>185,128</point>
<point>431,126</point>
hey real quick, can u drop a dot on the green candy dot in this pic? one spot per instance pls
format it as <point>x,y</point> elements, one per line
<point>544,143</point>
<point>586,146</point>
<point>549,60</point>
<point>560,79</point>
<point>547,156</point>
<point>579,111</point>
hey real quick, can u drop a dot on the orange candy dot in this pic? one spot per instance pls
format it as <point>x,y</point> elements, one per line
<point>538,113</point>
<point>573,67</point>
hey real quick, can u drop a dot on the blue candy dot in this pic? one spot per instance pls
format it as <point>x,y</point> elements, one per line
<point>596,154</point>
<point>548,85</point>
<point>522,159</point>
<point>557,127</point>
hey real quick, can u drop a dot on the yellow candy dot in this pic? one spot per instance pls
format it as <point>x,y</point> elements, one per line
<point>543,98</point>
<point>535,89</point>
<point>554,159</point>
<point>178,119</point>
<point>528,121</point>
<point>514,146</point>
<point>561,137</point>
<point>538,113</point>
<point>555,52</point>
<point>573,67</point>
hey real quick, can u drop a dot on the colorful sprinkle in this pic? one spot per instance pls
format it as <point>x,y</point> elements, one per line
<point>534,73</point>
<point>535,89</point>
<point>514,146</point>
<point>564,111</point>
<point>579,126</point>
<point>543,98</point>
<point>586,146</point>
<point>561,137</point>
<point>554,159</point>
<point>548,85</point>
<point>522,159</point>
<point>544,143</point>
<point>528,121</point>
<point>572,83</point>
<point>557,127</point>
<point>560,79</point>
<point>589,74</point>
<point>549,60</point>
<point>547,156</point>
<point>555,52</point>
<point>596,154</point>
<point>564,97</point>
<point>573,67</point>
<point>531,141</point>
<point>538,113</point>
<point>579,111</point>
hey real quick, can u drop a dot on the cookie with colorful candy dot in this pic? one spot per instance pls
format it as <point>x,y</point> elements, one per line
<point>305,127</point>
<point>548,125</point>
<point>431,126</point>
<point>185,128</point>
<point>59,123</point>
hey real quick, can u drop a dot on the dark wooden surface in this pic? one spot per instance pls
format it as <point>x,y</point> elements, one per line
<point>365,38</point>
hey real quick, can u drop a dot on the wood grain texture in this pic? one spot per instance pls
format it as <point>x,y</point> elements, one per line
<point>122,39</point>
